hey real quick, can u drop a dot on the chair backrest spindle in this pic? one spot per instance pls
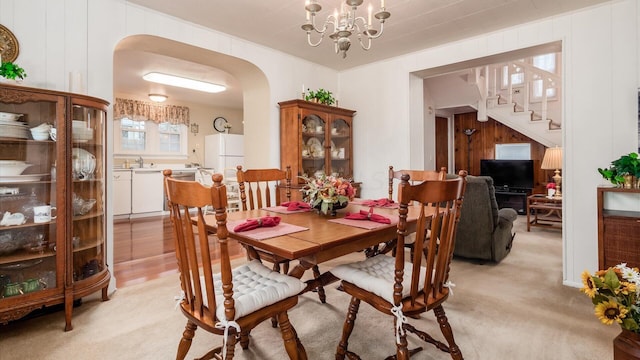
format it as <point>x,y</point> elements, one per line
<point>257,184</point>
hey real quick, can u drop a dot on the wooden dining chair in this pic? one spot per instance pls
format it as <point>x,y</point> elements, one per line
<point>230,303</point>
<point>255,185</point>
<point>406,289</point>
<point>415,176</point>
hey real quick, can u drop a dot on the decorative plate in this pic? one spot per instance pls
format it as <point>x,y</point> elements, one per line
<point>83,161</point>
<point>21,178</point>
<point>8,45</point>
<point>315,147</point>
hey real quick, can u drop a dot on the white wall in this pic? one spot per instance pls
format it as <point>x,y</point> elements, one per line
<point>601,77</point>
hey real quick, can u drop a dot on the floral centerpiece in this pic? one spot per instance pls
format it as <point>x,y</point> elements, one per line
<point>615,293</point>
<point>327,193</point>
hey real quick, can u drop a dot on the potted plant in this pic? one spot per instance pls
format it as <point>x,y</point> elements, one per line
<point>623,170</point>
<point>321,96</point>
<point>12,71</point>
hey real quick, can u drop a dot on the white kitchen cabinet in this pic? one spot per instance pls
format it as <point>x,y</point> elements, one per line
<point>122,192</point>
<point>147,191</point>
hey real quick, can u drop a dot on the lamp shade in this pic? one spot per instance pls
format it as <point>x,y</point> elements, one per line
<point>552,159</point>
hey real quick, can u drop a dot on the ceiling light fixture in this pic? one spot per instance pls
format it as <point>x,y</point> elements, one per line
<point>183,82</point>
<point>344,25</point>
<point>158,97</point>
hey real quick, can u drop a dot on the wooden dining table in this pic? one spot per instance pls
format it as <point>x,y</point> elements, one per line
<point>322,238</point>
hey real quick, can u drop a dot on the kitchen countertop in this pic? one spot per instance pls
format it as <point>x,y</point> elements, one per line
<point>158,168</point>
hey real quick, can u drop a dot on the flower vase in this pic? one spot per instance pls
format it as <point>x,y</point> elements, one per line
<point>626,346</point>
<point>334,209</point>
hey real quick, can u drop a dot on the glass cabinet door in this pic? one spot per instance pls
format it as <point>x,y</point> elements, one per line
<point>313,145</point>
<point>340,135</point>
<point>29,232</point>
<point>88,190</point>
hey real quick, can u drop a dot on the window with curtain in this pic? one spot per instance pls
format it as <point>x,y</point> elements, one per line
<point>149,129</point>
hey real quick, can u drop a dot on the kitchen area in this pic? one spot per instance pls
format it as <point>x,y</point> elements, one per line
<point>139,191</point>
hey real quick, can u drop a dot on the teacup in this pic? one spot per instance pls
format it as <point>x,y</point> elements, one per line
<point>42,214</point>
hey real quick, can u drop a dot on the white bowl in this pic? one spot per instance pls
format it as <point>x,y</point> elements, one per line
<point>40,135</point>
<point>12,167</point>
<point>10,116</point>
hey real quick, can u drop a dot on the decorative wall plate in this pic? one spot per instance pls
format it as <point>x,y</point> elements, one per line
<point>9,48</point>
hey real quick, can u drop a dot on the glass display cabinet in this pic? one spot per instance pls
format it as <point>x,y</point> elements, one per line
<point>52,200</point>
<point>315,139</point>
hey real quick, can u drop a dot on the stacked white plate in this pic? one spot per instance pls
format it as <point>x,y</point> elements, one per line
<point>81,132</point>
<point>14,129</point>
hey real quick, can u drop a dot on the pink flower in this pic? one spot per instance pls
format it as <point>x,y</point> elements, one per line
<point>551,185</point>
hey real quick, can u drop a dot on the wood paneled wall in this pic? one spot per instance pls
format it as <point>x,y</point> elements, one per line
<point>442,139</point>
<point>482,146</point>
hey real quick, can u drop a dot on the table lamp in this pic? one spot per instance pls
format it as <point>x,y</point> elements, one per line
<point>553,161</point>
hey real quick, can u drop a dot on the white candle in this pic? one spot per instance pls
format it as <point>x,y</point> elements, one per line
<point>303,88</point>
<point>370,9</point>
<point>382,4</point>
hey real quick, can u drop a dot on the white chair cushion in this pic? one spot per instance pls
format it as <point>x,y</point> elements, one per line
<point>375,274</point>
<point>255,286</point>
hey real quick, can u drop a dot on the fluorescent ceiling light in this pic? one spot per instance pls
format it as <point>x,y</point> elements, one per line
<point>183,82</point>
<point>158,97</point>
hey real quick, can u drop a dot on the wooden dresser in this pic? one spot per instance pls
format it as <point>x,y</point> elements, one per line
<point>618,230</point>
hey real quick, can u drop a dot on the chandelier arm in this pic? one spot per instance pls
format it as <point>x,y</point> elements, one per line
<point>319,40</point>
<point>330,20</point>
<point>377,34</point>
<point>364,47</point>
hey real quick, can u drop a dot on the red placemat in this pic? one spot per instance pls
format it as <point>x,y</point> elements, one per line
<point>266,232</point>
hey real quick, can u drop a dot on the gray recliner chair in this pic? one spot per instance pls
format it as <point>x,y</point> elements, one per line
<point>484,232</point>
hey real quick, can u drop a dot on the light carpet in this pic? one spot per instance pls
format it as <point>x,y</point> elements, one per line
<point>517,309</point>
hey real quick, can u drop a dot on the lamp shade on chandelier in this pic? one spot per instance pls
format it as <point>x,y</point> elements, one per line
<point>344,23</point>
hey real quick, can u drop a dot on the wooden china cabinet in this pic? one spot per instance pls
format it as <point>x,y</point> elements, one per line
<point>315,138</point>
<point>59,260</point>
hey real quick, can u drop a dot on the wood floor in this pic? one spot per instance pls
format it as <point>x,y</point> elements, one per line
<point>144,249</point>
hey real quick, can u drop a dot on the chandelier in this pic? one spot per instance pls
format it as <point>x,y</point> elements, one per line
<point>344,24</point>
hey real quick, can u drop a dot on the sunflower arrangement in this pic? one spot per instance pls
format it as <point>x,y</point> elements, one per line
<point>615,293</point>
<point>327,193</point>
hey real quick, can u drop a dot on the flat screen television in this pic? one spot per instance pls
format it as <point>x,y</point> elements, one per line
<point>511,174</point>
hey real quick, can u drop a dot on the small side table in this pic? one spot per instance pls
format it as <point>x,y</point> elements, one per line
<point>544,211</point>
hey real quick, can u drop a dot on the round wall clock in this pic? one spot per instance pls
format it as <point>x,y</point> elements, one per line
<point>219,123</point>
<point>9,48</point>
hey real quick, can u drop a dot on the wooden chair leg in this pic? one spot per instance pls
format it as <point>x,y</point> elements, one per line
<point>347,328</point>
<point>232,338</point>
<point>292,343</point>
<point>320,288</point>
<point>244,340</point>
<point>445,327</point>
<point>402,351</point>
<point>185,342</point>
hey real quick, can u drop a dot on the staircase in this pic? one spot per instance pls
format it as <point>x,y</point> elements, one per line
<point>512,105</point>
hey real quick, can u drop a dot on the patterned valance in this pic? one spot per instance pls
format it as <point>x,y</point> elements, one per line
<point>145,110</point>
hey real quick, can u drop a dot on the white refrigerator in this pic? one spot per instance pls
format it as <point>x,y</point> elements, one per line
<point>223,151</point>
